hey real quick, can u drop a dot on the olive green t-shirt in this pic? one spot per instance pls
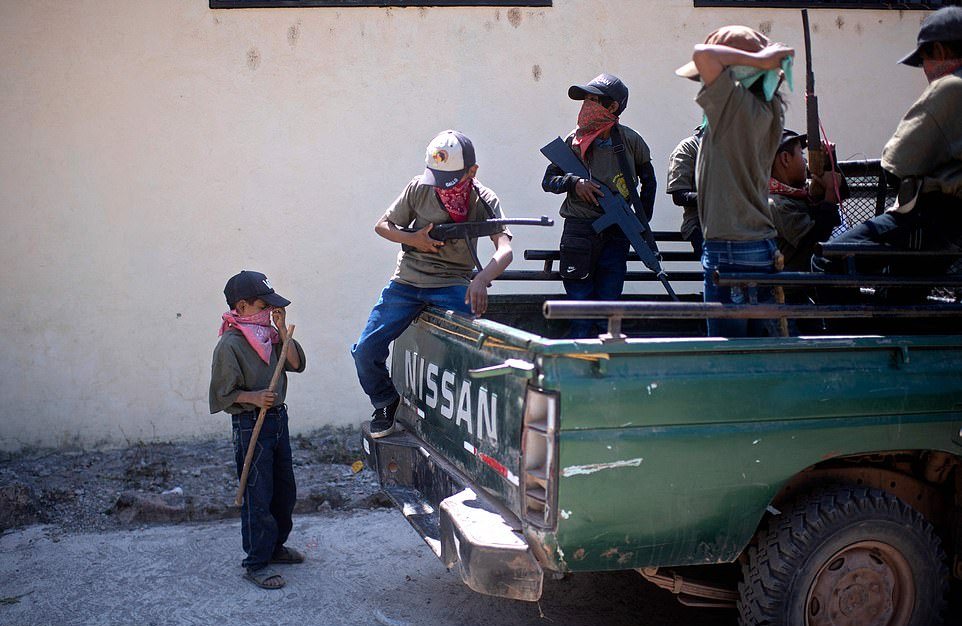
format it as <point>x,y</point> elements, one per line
<point>928,140</point>
<point>681,177</point>
<point>417,206</point>
<point>603,165</point>
<point>735,161</point>
<point>236,368</point>
<point>793,220</point>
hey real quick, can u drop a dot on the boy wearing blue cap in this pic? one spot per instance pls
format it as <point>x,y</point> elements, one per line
<point>244,361</point>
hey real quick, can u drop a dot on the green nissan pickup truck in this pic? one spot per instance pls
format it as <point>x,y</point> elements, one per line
<point>813,479</point>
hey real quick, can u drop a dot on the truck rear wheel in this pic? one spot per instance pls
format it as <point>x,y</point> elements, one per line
<point>844,557</point>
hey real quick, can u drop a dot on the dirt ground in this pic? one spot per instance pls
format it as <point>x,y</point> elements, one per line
<point>148,534</point>
<point>79,491</point>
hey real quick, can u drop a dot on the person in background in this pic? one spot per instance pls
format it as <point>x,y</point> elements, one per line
<point>925,153</point>
<point>682,189</point>
<point>740,72</point>
<point>593,265</point>
<point>801,219</point>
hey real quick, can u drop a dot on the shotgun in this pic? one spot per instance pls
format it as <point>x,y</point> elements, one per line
<point>816,150</point>
<point>473,230</point>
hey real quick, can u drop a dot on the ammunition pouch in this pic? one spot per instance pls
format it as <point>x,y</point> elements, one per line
<point>580,248</point>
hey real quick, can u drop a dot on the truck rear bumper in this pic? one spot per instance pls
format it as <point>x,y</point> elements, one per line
<point>463,526</point>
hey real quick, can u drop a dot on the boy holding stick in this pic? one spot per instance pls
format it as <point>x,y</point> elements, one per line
<point>245,359</point>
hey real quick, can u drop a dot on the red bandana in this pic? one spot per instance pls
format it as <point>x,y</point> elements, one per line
<point>935,70</point>
<point>256,329</point>
<point>456,200</point>
<point>778,188</point>
<point>593,120</point>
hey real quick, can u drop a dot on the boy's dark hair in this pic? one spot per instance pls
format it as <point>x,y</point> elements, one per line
<point>954,48</point>
<point>605,101</point>
<point>789,146</point>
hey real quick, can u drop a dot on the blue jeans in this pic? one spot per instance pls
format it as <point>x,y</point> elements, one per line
<point>739,256</point>
<point>607,281</point>
<point>270,495</point>
<point>397,307</point>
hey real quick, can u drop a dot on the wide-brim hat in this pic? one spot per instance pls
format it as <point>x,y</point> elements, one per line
<point>943,25</point>
<point>735,36</point>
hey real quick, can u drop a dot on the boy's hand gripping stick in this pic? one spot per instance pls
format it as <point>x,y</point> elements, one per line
<point>281,360</point>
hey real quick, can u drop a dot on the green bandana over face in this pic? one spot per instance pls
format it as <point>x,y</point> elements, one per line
<point>771,79</point>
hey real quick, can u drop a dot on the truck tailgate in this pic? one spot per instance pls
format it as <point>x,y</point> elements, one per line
<point>473,422</point>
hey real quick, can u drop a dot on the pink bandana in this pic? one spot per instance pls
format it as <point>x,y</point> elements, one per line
<point>456,200</point>
<point>593,120</point>
<point>256,329</point>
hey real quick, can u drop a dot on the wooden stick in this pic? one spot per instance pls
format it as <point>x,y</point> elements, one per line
<point>780,293</point>
<point>281,360</point>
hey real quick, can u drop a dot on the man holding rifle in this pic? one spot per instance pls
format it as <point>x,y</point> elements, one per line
<point>428,271</point>
<point>925,153</point>
<point>594,265</point>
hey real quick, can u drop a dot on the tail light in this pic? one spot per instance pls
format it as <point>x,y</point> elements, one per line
<point>539,453</point>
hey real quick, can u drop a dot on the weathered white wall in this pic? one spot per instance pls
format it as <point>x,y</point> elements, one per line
<point>152,149</point>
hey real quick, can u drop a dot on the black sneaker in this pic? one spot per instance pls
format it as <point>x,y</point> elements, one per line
<point>382,420</point>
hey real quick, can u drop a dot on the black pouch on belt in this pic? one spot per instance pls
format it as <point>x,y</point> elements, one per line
<point>580,247</point>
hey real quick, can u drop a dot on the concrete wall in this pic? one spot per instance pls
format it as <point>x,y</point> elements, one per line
<point>152,149</point>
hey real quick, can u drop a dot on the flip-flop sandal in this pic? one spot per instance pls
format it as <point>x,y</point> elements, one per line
<point>265,578</point>
<point>287,555</point>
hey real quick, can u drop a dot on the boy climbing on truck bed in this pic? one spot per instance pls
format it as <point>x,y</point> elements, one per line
<point>432,272</point>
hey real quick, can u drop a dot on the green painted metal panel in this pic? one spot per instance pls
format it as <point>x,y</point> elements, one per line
<point>671,449</point>
<point>474,423</point>
<point>670,457</point>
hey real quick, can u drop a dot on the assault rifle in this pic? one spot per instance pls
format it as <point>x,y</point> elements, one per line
<point>617,211</point>
<point>473,230</point>
<point>816,150</point>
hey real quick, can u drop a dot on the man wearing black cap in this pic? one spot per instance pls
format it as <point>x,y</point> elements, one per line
<point>925,153</point>
<point>244,361</point>
<point>593,266</point>
<point>801,219</point>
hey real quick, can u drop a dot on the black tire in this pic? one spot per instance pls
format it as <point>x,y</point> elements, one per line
<point>844,556</point>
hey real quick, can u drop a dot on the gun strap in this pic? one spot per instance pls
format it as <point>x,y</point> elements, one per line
<point>631,183</point>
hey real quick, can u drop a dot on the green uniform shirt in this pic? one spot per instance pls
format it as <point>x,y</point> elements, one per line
<point>735,161</point>
<point>603,165</point>
<point>793,220</point>
<point>417,206</point>
<point>681,177</point>
<point>236,368</point>
<point>928,141</point>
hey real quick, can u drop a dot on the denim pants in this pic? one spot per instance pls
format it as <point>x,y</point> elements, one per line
<point>270,494</point>
<point>930,226</point>
<point>607,282</point>
<point>397,307</point>
<point>739,256</point>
